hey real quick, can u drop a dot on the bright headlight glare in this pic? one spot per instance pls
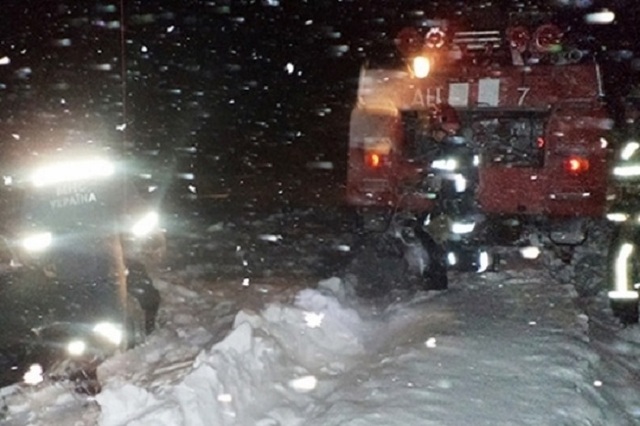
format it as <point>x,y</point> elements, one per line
<point>72,171</point>
<point>421,66</point>
<point>146,224</point>
<point>76,347</point>
<point>37,242</point>
<point>109,331</point>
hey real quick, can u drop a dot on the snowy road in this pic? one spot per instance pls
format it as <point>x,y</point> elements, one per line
<point>251,335</point>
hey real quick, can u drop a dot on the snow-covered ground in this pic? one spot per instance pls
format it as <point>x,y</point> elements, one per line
<point>512,347</point>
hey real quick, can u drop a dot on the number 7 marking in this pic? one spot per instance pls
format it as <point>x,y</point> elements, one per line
<point>525,92</point>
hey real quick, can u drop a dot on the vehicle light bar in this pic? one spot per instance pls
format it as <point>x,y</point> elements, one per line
<point>37,242</point>
<point>72,171</point>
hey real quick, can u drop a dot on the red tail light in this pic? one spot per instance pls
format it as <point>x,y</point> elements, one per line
<point>576,165</point>
<point>540,142</point>
<point>374,160</point>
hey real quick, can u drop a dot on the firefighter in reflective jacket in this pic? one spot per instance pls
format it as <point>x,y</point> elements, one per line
<point>456,163</point>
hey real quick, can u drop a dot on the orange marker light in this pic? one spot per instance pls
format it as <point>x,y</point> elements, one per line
<point>373,160</point>
<point>576,165</point>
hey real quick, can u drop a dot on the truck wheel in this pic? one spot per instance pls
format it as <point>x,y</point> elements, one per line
<point>625,310</point>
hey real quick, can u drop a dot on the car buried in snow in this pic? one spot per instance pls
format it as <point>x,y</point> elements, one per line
<point>530,107</point>
<point>74,287</point>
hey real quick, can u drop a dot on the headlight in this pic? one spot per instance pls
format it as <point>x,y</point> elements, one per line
<point>76,347</point>
<point>109,331</point>
<point>37,242</point>
<point>146,224</point>
<point>72,171</point>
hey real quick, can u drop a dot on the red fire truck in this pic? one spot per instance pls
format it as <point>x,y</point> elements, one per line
<point>532,107</point>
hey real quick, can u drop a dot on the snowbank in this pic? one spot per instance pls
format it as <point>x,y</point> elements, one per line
<point>270,360</point>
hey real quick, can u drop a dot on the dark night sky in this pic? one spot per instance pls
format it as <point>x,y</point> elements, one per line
<point>242,78</point>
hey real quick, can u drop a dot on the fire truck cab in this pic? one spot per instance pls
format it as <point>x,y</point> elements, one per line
<point>530,106</point>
